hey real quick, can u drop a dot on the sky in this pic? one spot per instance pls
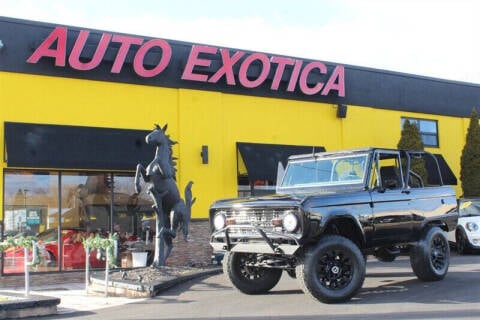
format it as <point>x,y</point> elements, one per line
<point>433,38</point>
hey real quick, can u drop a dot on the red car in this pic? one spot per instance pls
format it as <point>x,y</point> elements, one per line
<point>73,253</point>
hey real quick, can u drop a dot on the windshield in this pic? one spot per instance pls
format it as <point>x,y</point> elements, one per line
<point>328,171</point>
<point>469,208</point>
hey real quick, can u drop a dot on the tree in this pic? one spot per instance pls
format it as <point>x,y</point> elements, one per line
<point>411,139</point>
<point>470,159</point>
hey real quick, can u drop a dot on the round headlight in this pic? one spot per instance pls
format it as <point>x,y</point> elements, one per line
<point>219,221</point>
<point>290,222</point>
<point>472,226</point>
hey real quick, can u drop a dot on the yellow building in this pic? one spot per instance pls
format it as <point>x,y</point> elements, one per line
<point>76,105</point>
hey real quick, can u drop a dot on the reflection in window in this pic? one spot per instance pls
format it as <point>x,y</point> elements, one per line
<point>428,130</point>
<point>86,201</point>
<point>30,205</point>
<point>133,215</point>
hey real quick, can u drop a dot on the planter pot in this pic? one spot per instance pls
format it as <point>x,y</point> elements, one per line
<point>139,259</point>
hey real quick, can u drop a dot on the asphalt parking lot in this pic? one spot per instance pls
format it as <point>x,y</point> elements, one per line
<point>390,291</point>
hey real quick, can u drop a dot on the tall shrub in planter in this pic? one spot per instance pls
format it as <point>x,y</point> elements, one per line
<point>470,159</point>
<point>411,139</point>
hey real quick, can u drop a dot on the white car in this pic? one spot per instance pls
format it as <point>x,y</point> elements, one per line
<point>467,234</point>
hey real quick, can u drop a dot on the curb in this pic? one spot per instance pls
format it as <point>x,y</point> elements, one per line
<point>20,306</point>
<point>131,289</point>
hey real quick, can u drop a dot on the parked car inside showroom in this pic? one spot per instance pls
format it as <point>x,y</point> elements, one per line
<point>72,249</point>
<point>466,236</point>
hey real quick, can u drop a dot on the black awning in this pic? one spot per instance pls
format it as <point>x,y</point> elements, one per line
<point>74,147</point>
<point>262,160</point>
<point>448,176</point>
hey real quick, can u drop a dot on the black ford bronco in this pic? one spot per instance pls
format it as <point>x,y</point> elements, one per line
<point>331,210</point>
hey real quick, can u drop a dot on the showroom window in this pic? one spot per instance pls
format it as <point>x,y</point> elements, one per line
<point>30,207</point>
<point>63,208</point>
<point>428,130</point>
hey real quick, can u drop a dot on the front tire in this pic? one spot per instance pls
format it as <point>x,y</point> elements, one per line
<point>430,258</point>
<point>249,279</point>
<point>333,270</point>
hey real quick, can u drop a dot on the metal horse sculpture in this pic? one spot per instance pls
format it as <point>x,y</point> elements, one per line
<point>171,210</point>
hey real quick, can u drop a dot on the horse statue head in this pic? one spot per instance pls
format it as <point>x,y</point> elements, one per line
<point>158,137</point>
<point>163,154</point>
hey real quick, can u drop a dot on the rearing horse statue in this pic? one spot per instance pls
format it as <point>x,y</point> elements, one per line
<point>171,210</point>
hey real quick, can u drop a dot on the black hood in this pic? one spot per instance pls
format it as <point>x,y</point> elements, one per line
<point>275,200</point>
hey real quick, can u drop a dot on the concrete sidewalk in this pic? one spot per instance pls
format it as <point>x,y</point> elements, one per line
<point>74,297</point>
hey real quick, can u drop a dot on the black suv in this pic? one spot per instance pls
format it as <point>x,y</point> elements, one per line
<point>330,211</point>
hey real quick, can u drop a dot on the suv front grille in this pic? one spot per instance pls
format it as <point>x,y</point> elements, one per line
<point>264,218</point>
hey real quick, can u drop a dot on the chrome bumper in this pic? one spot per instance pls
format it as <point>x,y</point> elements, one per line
<point>254,240</point>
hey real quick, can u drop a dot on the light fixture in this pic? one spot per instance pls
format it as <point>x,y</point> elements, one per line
<point>1,44</point>
<point>342,111</point>
<point>204,154</point>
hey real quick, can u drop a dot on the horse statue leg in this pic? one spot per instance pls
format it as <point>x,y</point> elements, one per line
<point>169,244</point>
<point>159,257</point>
<point>141,172</point>
<point>180,217</point>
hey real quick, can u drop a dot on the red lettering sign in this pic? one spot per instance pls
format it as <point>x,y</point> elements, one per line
<point>194,60</point>
<point>162,64</point>
<point>294,77</point>
<point>242,74</point>
<point>336,82</point>
<point>199,67</point>
<point>281,64</point>
<point>227,68</point>
<point>125,44</point>
<point>304,76</point>
<point>59,34</point>
<point>74,58</point>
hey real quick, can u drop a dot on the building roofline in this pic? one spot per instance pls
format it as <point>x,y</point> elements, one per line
<point>364,86</point>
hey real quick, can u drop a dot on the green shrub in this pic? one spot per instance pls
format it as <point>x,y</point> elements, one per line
<point>411,139</point>
<point>470,159</point>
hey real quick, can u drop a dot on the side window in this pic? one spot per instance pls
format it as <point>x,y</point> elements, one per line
<point>388,172</point>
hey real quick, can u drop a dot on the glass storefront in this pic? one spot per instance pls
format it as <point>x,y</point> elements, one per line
<point>62,208</point>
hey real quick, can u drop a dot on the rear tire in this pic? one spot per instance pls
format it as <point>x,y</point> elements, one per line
<point>430,257</point>
<point>333,270</point>
<point>248,279</point>
<point>461,242</point>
